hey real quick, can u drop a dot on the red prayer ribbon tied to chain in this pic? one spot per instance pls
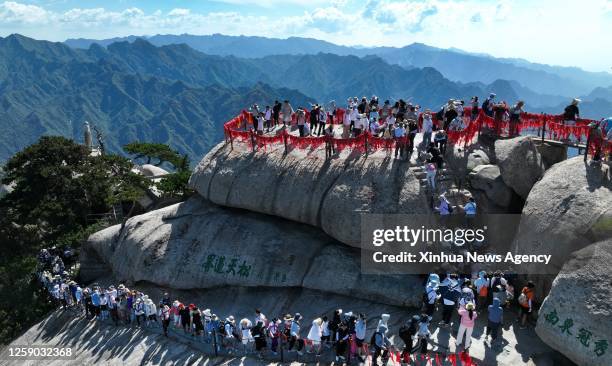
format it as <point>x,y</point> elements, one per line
<point>264,141</point>
<point>239,128</point>
<point>384,143</point>
<point>303,142</point>
<point>357,143</point>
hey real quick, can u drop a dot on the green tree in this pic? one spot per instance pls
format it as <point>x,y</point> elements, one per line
<point>57,185</point>
<point>153,153</point>
<point>174,184</point>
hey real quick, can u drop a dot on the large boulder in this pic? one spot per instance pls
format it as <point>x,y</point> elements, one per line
<point>552,153</point>
<point>197,245</point>
<point>520,163</point>
<point>575,317</point>
<point>487,178</point>
<point>305,187</point>
<point>568,209</point>
<point>463,159</point>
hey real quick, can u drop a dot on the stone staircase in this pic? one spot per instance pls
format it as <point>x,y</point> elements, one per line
<point>445,184</point>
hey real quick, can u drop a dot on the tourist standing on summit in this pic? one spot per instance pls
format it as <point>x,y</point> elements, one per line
<point>301,120</point>
<point>268,118</point>
<point>515,118</point>
<point>322,121</point>
<point>314,118</point>
<point>346,124</point>
<point>354,116</point>
<point>276,112</point>
<point>571,113</point>
<point>399,133</point>
<point>411,130</point>
<point>287,111</point>
<point>475,110</point>
<point>450,113</point>
<point>487,105</point>
<point>427,130</point>
<point>499,112</point>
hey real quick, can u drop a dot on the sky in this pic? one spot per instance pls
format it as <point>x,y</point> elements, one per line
<point>557,32</point>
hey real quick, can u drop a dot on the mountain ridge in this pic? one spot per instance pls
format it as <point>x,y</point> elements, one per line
<point>545,79</point>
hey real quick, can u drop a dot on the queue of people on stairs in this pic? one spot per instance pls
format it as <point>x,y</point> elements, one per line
<point>463,297</point>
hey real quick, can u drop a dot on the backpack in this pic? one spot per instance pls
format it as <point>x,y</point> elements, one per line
<point>452,294</point>
<point>484,291</point>
<point>426,296</point>
<point>405,333</point>
<point>222,327</point>
<point>467,296</point>
<point>373,338</point>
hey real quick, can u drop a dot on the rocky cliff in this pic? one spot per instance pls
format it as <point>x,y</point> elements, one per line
<point>303,186</point>
<point>198,245</point>
<point>575,317</point>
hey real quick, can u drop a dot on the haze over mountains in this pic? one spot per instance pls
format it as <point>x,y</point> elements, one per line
<point>454,64</point>
<point>135,89</point>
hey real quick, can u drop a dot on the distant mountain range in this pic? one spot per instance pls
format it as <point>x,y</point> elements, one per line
<point>323,76</point>
<point>454,64</point>
<point>134,90</point>
<point>49,88</point>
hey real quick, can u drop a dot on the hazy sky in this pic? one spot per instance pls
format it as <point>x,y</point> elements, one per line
<point>560,32</point>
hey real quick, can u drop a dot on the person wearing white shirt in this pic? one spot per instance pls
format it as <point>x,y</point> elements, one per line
<point>259,316</point>
<point>346,124</point>
<point>260,124</point>
<point>268,118</point>
<point>360,124</point>
<point>354,116</point>
<point>360,333</point>
<point>314,336</point>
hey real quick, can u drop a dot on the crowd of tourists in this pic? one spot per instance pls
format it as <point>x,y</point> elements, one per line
<point>403,120</point>
<point>460,299</point>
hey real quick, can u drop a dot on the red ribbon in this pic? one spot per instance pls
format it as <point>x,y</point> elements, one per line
<point>554,125</point>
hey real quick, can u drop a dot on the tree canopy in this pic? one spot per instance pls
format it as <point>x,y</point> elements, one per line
<point>153,153</point>
<point>57,185</point>
<point>174,184</point>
